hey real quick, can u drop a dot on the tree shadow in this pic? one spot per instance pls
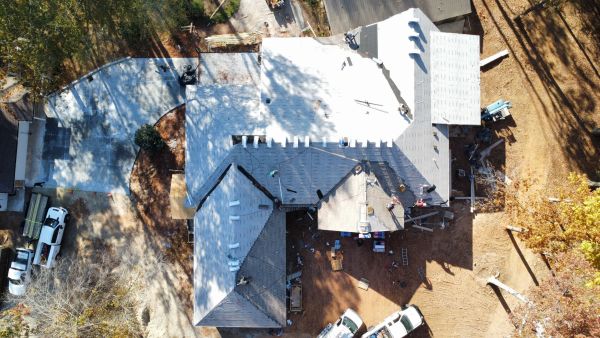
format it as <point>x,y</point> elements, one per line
<point>570,112</point>
<point>473,26</point>
<point>518,249</point>
<point>500,298</point>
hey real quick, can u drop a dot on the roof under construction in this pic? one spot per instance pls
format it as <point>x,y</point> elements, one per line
<point>297,123</point>
<point>366,200</point>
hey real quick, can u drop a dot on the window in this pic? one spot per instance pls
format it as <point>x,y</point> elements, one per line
<point>55,235</point>
<point>407,324</point>
<point>53,223</point>
<point>350,325</point>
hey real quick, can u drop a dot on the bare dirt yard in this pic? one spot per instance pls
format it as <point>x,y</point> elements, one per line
<point>450,290</point>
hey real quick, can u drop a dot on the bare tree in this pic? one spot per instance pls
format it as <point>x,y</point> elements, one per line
<point>79,298</point>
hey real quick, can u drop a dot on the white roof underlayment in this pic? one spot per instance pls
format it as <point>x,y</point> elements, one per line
<point>321,92</point>
<point>455,79</point>
<point>325,91</point>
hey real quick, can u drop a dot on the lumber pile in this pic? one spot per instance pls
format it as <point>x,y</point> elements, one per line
<point>225,40</point>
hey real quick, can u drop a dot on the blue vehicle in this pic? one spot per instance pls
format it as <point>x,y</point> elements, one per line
<point>498,110</point>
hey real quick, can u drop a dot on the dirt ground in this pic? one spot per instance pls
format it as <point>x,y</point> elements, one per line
<point>453,295</point>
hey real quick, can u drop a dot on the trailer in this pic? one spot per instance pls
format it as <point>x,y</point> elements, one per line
<point>35,216</point>
<point>498,110</point>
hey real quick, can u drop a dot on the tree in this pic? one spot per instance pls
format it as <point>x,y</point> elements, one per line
<point>37,37</point>
<point>82,299</point>
<point>563,304</point>
<point>565,219</point>
<point>563,224</point>
<point>148,138</point>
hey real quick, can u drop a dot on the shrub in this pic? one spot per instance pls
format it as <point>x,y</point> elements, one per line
<point>148,138</point>
<point>196,9</point>
<point>226,11</point>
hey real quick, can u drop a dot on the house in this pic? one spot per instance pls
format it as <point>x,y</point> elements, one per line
<point>345,15</point>
<point>358,122</point>
<point>15,121</point>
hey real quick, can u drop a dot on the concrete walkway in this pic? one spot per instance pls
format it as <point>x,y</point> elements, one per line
<point>90,125</point>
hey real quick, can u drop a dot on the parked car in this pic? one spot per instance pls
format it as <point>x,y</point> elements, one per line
<point>397,325</point>
<point>345,327</point>
<point>19,274</point>
<point>51,236</point>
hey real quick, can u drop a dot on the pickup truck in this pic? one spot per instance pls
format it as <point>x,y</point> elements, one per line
<point>51,236</point>
<point>19,274</point>
<point>345,327</point>
<point>397,325</point>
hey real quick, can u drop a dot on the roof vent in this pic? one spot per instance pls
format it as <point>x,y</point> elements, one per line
<point>414,35</point>
<point>234,268</point>
<point>415,52</point>
<point>234,218</point>
<point>234,246</point>
<point>268,100</point>
<point>234,203</point>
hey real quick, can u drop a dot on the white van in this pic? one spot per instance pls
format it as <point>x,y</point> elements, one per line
<point>345,327</point>
<point>397,325</point>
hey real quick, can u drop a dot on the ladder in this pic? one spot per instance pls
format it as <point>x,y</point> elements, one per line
<point>404,252</point>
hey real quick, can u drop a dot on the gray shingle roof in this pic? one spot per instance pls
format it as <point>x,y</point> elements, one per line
<point>229,230</point>
<point>345,15</point>
<point>291,70</point>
